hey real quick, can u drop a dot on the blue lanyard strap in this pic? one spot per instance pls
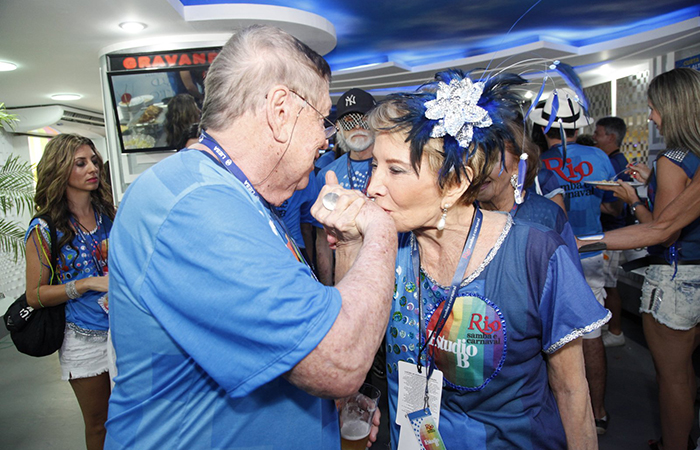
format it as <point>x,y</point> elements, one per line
<point>209,142</point>
<point>351,174</point>
<point>462,265</point>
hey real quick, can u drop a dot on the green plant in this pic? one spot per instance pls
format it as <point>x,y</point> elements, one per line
<point>16,194</point>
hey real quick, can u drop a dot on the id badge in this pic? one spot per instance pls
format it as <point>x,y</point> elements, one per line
<point>411,399</point>
<point>425,430</point>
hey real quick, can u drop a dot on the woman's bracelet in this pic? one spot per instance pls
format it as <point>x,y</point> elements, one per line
<point>71,290</point>
<point>633,207</point>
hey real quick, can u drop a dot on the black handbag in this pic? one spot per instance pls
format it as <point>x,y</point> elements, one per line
<point>38,332</point>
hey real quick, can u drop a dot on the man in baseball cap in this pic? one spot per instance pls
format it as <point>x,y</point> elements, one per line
<point>354,168</point>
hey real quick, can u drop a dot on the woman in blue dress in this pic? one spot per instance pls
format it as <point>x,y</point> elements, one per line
<point>72,190</point>
<point>670,303</point>
<point>495,305</point>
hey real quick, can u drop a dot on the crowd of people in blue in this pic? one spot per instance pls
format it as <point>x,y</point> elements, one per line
<point>251,282</point>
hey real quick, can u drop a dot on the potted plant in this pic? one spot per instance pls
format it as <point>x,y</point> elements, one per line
<point>16,194</point>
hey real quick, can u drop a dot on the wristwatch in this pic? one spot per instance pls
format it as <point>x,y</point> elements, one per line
<point>633,207</point>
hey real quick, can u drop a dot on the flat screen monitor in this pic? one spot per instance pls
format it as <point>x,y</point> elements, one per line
<point>156,98</point>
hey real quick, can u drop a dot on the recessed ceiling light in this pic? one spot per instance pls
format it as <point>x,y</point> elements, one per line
<point>132,27</point>
<point>66,96</point>
<point>7,66</point>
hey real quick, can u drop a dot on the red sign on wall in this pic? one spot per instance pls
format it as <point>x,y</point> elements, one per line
<point>163,60</point>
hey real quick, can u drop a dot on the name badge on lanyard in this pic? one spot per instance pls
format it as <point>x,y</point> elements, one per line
<point>422,422</point>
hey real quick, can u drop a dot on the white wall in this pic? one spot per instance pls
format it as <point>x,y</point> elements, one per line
<point>12,281</point>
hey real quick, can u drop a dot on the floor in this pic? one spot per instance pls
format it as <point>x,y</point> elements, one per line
<point>39,411</point>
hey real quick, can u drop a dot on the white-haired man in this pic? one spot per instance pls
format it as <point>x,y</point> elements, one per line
<point>223,337</point>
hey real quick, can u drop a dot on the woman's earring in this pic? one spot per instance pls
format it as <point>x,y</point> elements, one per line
<point>441,222</point>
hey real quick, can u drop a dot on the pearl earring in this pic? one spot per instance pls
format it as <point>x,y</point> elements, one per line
<point>441,222</point>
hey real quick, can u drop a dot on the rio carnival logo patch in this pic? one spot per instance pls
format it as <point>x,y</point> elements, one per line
<point>471,347</point>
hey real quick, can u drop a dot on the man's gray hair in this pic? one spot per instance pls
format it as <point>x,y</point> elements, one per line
<point>252,61</point>
<point>614,125</point>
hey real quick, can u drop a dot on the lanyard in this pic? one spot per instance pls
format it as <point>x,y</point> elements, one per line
<point>231,166</point>
<point>351,172</point>
<point>90,241</point>
<point>514,210</point>
<point>467,252</point>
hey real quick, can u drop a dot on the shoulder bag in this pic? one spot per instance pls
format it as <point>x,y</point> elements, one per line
<point>38,332</point>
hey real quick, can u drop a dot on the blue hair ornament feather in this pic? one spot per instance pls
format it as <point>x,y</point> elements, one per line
<point>553,113</point>
<point>572,79</point>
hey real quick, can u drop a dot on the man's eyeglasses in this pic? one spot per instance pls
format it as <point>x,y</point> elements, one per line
<point>331,129</point>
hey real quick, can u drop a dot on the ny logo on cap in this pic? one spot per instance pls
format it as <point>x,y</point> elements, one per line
<point>350,100</point>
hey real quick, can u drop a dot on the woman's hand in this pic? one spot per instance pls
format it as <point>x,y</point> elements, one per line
<point>99,284</point>
<point>639,171</point>
<point>343,224</point>
<point>624,192</point>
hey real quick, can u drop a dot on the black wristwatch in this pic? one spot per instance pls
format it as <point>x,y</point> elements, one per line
<point>633,207</point>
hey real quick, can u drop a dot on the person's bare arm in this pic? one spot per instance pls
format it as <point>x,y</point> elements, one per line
<point>567,378</point>
<point>338,365</point>
<point>613,208</point>
<point>324,258</point>
<point>307,234</point>
<point>38,273</point>
<point>679,213</point>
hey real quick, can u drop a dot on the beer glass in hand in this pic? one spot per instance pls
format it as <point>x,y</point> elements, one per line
<point>356,416</point>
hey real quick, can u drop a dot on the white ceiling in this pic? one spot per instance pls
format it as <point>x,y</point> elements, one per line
<point>57,44</point>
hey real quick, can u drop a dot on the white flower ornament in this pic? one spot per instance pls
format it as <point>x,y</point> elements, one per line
<point>455,108</point>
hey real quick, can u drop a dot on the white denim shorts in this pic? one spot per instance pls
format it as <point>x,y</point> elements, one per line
<point>674,303</point>
<point>611,266</point>
<point>593,270</point>
<point>82,356</point>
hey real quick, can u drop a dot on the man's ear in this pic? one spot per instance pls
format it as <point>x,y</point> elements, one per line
<point>278,112</point>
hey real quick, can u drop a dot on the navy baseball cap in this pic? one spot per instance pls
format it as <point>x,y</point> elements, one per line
<point>355,100</point>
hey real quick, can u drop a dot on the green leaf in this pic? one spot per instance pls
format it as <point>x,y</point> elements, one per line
<point>16,186</point>
<point>12,238</point>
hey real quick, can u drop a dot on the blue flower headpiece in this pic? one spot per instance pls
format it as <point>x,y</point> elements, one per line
<point>467,115</point>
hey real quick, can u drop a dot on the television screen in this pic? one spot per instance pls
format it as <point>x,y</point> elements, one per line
<point>152,106</point>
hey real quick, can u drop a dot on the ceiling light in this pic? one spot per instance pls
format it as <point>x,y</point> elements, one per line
<point>7,66</point>
<point>66,97</point>
<point>132,27</point>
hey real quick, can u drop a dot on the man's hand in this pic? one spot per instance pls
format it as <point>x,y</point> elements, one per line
<point>344,224</point>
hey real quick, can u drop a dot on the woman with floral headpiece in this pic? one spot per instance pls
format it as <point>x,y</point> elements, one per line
<point>501,304</point>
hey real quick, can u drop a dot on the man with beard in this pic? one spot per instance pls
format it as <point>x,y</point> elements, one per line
<point>353,168</point>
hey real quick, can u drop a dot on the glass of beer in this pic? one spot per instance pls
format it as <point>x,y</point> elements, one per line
<point>356,414</point>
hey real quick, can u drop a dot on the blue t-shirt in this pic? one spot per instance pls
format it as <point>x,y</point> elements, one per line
<point>527,299</point>
<point>358,179</point>
<point>619,163</point>
<point>688,243</point>
<point>548,184</point>
<point>582,201</point>
<point>209,309</point>
<point>82,258</point>
<point>537,209</point>
<point>325,159</point>
<point>297,210</point>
